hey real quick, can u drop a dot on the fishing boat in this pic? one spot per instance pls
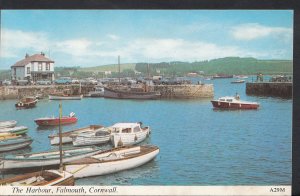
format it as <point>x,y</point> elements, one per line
<point>8,124</point>
<point>47,158</point>
<point>237,81</point>
<point>54,121</point>
<point>240,76</point>
<point>27,102</point>
<point>128,94</point>
<point>98,92</point>
<point>15,130</point>
<point>125,134</point>
<point>100,136</point>
<point>233,103</point>
<point>66,137</point>
<point>14,142</point>
<point>40,178</point>
<point>221,76</point>
<point>111,161</point>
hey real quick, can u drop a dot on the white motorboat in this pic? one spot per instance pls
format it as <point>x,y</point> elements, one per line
<point>112,161</point>
<point>125,134</point>
<point>8,124</point>
<point>100,136</point>
<point>67,136</point>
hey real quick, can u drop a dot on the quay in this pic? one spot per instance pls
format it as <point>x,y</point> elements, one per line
<point>276,89</point>
<point>188,91</point>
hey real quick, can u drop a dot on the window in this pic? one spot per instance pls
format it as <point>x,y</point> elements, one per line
<point>28,70</point>
<point>47,66</point>
<point>40,67</point>
<point>136,129</point>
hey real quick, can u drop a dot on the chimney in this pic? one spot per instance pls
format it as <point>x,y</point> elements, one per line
<point>42,53</point>
<point>27,55</point>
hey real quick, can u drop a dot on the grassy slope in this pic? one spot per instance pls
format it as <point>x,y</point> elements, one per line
<point>113,68</point>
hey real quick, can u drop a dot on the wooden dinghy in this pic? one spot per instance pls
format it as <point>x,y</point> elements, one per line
<point>112,161</point>
<point>67,136</point>
<point>8,124</point>
<point>126,134</point>
<point>100,136</point>
<point>15,130</point>
<point>14,142</point>
<point>48,158</point>
<point>40,178</point>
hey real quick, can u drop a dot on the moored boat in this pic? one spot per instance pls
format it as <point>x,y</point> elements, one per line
<point>233,103</point>
<point>15,130</point>
<point>27,102</point>
<point>111,161</point>
<point>67,136</point>
<point>54,121</point>
<point>40,178</point>
<point>14,143</point>
<point>125,134</point>
<point>64,97</point>
<point>47,158</point>
<point>123,94</point>
<point>237,81</point>
<point>100,136</point>
<point>98,92</point>
<point>8,124</point>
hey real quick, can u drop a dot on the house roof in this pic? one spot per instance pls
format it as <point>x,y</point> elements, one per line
<point>33,58</point>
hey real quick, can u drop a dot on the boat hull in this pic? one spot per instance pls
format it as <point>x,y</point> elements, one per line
<point>54,178</point>
<point>13,144</point>
<point>74,97</point>
<point>108,167</point>
<point>90,140</point>
<point>41,161</point>
<point>55,121</point>
<point>15,130</point>
<point>67,136</point>
<point>226,105</point>
<point>8,124</point>
<point>118,94</point>
<point>127,139</point>
<point>26,103</point>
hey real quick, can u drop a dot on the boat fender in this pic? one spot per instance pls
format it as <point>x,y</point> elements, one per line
<point>240,105</point>
<point>219,103</point>
<point>135,138</point>
<point>229,104</point>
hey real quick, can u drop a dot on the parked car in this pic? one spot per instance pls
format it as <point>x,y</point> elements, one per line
<point>75,81</point>
<point>43,82</point>
<point>6,82</point>
<point>23,82</point>
<point>63,80</point>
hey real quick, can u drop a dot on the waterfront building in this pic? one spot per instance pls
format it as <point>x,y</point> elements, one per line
<point>36,67</point>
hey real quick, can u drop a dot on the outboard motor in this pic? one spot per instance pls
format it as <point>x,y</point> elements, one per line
<point>72,114</point>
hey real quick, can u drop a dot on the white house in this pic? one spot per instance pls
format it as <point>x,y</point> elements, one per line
<point>35,67</point>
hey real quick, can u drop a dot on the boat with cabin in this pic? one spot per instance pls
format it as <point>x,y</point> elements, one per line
<point>125,134</point>
<point>40,178</point>
<point>27,102</point>
<point>112,161</point>
<point>8,124</point>
<point>130,94</point>
<point>233,103</point>
<point>66,137</point>
<point>54,121</point>
<point>46,158</point>
<point>99,136</point>
<point>98,92</point>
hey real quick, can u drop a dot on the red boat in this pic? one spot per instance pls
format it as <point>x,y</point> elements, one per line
<point>54,121</point>
<point>233,103</point>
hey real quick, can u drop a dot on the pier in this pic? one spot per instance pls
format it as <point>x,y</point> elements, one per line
<point>188,91</point>
<point>276,89</point>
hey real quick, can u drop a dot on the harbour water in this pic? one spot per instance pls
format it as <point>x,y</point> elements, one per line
<point>198,145</point>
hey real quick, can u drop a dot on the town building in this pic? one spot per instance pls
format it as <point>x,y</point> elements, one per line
<point>34,68</point>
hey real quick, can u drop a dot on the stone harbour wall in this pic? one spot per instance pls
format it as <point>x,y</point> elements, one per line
<point>189,91</point>
<point>276,89</point>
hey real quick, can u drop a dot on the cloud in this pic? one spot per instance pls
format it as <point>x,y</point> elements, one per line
<point>12,41</point>
<point>252,31</point>
<point>113,37</point>
<point>74,47</point>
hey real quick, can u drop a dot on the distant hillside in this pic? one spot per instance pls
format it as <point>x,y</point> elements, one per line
<point>228,65</point>
<point>112,67</point>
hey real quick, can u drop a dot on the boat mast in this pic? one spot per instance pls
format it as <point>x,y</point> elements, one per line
<point>60,140</point>
<point>119,69</point>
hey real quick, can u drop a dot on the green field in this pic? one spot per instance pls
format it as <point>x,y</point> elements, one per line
<point>112,67</point>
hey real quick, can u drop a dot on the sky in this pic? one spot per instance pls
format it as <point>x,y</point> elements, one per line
<point>96,37</point>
